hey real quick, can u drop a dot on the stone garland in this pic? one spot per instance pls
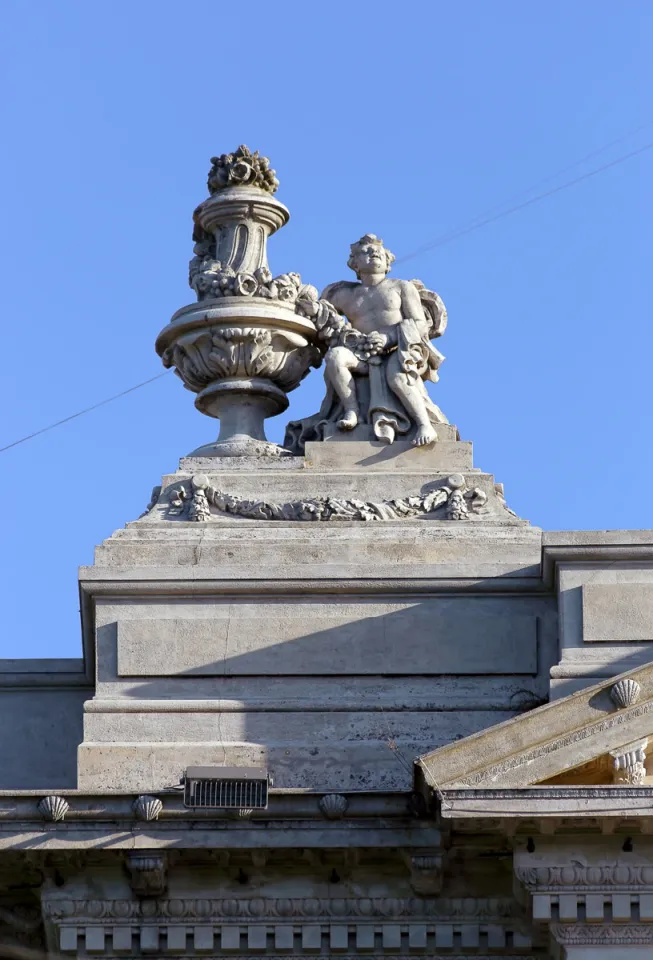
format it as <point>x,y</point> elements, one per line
<point>195,502</point>
<point>211,280</point>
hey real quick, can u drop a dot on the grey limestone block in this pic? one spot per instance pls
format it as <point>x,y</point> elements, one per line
<point>442,456</point>
<point>617,612</point>
<point>317,637</point>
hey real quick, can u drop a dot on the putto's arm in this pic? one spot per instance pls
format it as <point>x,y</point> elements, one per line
<point>411,306</point>
<point>336,293</point>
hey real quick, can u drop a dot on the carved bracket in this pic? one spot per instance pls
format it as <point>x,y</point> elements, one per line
<point>425,872</point>
<point>149,874</point>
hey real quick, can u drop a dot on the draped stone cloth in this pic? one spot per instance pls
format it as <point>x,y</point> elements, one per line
<point>414,358</point>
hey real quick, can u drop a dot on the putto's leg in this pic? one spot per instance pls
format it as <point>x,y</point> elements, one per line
<point>340,362</point>
<point>413,402</point>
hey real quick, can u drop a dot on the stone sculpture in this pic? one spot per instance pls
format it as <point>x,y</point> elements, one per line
<point>378,361</point>
<point>249,340</point>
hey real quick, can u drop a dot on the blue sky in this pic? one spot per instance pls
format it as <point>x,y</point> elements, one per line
<point>404,120</point>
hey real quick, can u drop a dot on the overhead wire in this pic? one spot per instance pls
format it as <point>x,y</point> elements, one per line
<point>540,183</point>
<point>481,220</point>
<point>80,413</point>
<point>440,241</point>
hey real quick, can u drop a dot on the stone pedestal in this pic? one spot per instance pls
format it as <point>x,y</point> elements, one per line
<point>332,652</point>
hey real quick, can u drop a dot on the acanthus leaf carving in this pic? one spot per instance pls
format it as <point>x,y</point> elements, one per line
<point>628,763</point>
<point>203,356</point>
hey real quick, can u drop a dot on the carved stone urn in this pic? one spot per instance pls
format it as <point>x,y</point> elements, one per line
<point>250,339</point>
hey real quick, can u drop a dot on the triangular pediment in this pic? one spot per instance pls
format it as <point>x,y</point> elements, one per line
<point>598,735</point>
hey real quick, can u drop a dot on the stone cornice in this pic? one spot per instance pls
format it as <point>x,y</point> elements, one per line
<point>593,546</point>
<point>165,581</point>
<point>295,803</point>
<point>306,925</point>
<point>551,807</point>
<point>234,909</point>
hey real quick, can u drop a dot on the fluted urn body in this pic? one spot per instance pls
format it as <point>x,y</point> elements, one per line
<point>250,339</point>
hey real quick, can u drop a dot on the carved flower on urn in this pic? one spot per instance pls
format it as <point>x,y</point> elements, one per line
<point>245,285</point>
<point>241,172</point>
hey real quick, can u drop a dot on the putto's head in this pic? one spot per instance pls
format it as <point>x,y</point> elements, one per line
<point>368,255</point>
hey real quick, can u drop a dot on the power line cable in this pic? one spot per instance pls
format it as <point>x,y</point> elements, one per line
<point>81,413</point>
<point>549,178</point>
<point>447,238</point>
<point>472,225</point>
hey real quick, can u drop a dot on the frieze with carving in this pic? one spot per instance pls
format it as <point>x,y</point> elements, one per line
<point>194,502</point>
<point>457,909</point>
<point>582,878</point>
<point>489,774</point>
<point>595,934</point>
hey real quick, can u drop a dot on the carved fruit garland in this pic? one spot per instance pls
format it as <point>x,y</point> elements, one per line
<point>195,503</point>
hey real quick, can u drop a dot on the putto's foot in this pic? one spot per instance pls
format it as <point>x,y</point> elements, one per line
<point>424,436</point>
<point>349,421</point>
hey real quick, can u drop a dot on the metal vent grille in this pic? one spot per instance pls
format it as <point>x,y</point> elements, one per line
<point>226,788</point>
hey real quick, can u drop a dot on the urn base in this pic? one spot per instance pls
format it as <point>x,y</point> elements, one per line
<point>241,405</point>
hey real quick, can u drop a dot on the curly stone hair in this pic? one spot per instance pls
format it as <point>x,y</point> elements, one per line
<point>369,238</point>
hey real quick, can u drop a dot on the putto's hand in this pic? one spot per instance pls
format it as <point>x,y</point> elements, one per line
<point>377,341</point>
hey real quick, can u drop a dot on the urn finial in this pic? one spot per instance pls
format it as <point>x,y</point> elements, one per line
<point>252,337</point>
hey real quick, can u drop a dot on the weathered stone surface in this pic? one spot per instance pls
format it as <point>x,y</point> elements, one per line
<point>320,752</point>
<point>617,612</point>
<point>301,645</point>
<point>45,721</point>
<point>446,455</point>
<point>225,627</point>
<point>357,637</point>
<point>614,560</point>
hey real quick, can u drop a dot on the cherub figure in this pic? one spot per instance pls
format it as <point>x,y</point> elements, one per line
<point>375,373</point>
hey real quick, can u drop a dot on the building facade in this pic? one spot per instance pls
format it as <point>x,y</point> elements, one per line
<point>336,697</point>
